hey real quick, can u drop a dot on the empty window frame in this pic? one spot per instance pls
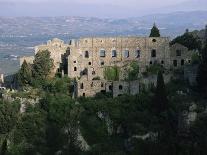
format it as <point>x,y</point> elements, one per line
<point>178,53</point>
<point>86,54</point>
<point>102,53</point>
<point>113,54</point>
<point>126,53</point>
<point>137,53</point>
<point>153,53</point>
<point>182,62</point>
<point>175,63</point>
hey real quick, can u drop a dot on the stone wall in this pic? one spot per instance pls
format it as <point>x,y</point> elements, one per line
<point>29,60</point>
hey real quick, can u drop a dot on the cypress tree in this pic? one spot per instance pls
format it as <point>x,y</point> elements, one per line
<point>25,74</point>
<point>155,32</point>
<point>4,147</point>
<point>160,99</point>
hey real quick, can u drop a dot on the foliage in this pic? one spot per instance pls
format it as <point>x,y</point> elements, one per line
<point>111,73</point>
<point>195,59</point>
<point>42,66</point>
<point>25,74</point>
<point>202,71</point>
<point>188,40</point>
<point>155,32</point>
<point>96,78</point>
<point>133,71</point>
<point>154,69</point>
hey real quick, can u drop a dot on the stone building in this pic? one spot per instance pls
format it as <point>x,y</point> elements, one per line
<point>86,59</point>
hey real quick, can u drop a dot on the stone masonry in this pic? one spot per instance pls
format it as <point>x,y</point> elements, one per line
<point>85,60</point>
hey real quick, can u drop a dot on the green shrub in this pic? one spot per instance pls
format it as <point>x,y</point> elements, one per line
<point>111,73</point>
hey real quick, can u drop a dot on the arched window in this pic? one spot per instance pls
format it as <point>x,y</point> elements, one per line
<point>120,87</point>
<point>75,68</point>
<point>137,53</point>
<point>81,86</point>
<point>86,54</point>
<point>113,53</point>
<point>89,63</point>
<point>153,53</point>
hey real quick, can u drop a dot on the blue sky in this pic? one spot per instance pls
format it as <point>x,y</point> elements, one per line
<point>96,8</point>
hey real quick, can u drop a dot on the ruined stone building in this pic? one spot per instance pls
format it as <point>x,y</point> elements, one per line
<point>86,60</point>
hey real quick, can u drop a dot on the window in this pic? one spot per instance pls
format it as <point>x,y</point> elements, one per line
<point>137,53</point>
<point>84,94</point>
<point>110,87</point>
<point>75,68</point>
<point>189,61</point>
<point>102,63</point>
<point>93,72</point>
<point>89,63</point>
<point>154,40</point>
<point>86,54</point>
<point>81,86</point>
<point>175,63</point>
<point>102,53</point>
<point>74,62</point>
<point>113,53</point>
<point>153,53</point>
<point>182,62</point>
<point>162,62</point>
<point>150,62</point>
<point>178,53</point>
<point>102,84</point>
<point>120,87</point>
<point>126,53</point>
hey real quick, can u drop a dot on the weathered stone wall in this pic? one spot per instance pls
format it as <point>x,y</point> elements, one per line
<point>125,87</point>
<point>57,49</point>
<point>96,63</point>
<point>184,56</point>
<point>29,60</point>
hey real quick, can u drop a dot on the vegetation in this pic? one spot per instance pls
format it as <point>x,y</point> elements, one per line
<point>155,32</point>
<point>133,71</point>
<point>149,123</point>
<point>188,40</point>
<point>25,74</point>
<point>111,73</point>
<point>202,71</point>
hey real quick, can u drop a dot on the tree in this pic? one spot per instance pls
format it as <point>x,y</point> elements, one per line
<point>188,40</point>
<point>155,32</point>
<point>202,70</point>
<point>43,65</point>
<point>25,74</point>
<point>160,100</point>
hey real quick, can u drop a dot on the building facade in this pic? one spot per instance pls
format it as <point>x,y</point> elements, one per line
<point>86,59</point>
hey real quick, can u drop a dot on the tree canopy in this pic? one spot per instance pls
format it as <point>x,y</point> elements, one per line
<point>155,32</point>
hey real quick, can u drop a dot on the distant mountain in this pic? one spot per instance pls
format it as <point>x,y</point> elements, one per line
<point>170,24</point>
<point>19,34</point>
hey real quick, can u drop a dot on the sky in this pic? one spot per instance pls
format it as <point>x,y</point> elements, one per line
<point>95,8</point>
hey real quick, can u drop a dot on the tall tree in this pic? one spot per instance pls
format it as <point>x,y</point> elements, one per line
<point>160,99</point>
<point>25,74</point>
<point>202,69</point>
<point>43,65</point>
<point>155,32</point>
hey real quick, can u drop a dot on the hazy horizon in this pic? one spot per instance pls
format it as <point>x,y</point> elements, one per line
<point>96,8</point>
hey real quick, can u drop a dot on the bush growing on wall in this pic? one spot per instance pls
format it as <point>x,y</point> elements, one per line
<point>111,73</point>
